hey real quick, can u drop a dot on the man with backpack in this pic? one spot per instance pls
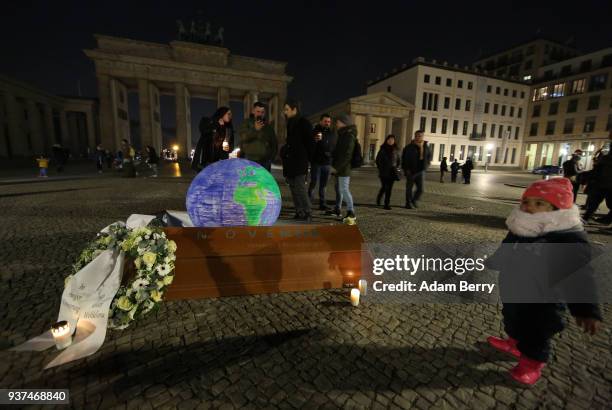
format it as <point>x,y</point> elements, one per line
<point>416,157</point>
<point>346,155</point>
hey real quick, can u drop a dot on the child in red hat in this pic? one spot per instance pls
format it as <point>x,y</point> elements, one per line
<point>547,219</point>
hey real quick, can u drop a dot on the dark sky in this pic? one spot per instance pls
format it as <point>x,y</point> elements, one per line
<point>332,47</point>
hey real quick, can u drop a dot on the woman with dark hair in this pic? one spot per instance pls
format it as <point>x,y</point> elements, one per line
<point>216,139</point>
<point>387,162</point>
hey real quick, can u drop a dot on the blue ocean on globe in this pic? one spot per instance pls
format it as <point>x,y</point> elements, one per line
<point>233,192</point>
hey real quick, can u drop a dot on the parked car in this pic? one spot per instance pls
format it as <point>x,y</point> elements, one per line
<point>548,170</point>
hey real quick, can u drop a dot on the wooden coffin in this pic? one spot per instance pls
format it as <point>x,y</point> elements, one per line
<point>213,262</point>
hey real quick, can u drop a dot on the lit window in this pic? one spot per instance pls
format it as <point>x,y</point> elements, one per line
<point>526,77</point>
<point>558,90</point>
<point>578,86</point>
<point>540,93</point>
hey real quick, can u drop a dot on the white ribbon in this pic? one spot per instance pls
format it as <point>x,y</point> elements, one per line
<point>86,301</point>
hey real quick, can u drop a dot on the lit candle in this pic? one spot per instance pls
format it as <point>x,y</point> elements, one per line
<point>355,297</point>
<point>62,334</point>
<point>363,286</point>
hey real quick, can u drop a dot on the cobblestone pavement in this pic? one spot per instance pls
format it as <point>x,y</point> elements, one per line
<point>292,350</point>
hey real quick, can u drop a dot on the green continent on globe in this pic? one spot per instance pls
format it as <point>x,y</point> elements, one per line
<point>253,186</point>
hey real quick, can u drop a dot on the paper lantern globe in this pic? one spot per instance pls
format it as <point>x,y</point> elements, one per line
<point>233,192</point>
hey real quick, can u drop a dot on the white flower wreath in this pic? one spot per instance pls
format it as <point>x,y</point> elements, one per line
<point>152,256</point>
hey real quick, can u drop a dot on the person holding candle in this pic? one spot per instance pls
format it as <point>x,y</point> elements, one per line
<point>257,138</point>
<point>216,140</point>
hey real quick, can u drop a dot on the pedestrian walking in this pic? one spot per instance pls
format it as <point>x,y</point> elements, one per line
<point>257,138</point>
<point>599,187</point>
<point>108,157</point>
<point>100,157</point>
<point>295,155</point>
<point>443,169</point>
<point>454,170</point>
<point>416,158</point>
<point>572,169</point>
<point>532,260</point>
<point>152,160</point>
<point>388,162</point>
<point>128,153</point>
<point>43,166</point>
<point>216,139</point>
<point>320,165</point>
<point>342,161</point>
<point>466,170</point>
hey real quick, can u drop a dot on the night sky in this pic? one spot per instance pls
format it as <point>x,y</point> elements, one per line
<point>332,48</point>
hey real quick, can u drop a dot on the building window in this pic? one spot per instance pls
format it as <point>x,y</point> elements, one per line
<point>452,152</point>
<point>441,152</point>
<point>492,130</point>
<point>423,123</point>
<point>505,92</point>
<point>509,131</point>
<point>434,125</point>
<point>435,102</point>
<point>458,103</point>
<point>438,80</point>
<point>572,105</point>
<point>528,64</point>
<point>553,108</point>
<point>512,111</point>
<point>470,85</point>
<point>585,66</point>
<point>459,83</point>
<point>500,131</point>
<point>489,89</point>
<point>566,70</point>
<point>389,88</point>
<point>609,124</point>
<point>503,110</point>
<point>449,82</point>
<point>589,124</point>
<point>455,127</point>
<point>593,102</point>
<point>533,130</point>
<point>424,102</point>
<point>536,110</point>
<point>497,90</point>
<point>484,129</point>
<point>606,60</point>
<point>497,154</point>
<point>513,156</point>
<point>520,112</point>
<point>461,152</point>
<point>568,126</point>
<point>446,103</point>
<point>578,86</point>
<point>522,94</point>
<point>426,79</point>
<point>550,127</point>
<point>444,126</point>
<point>495,108</point>
<point>514,93</point>
<point>468,105</point>
<point>598,82</point>
<point>540,94</point>
<point>465,128</point>
<point>516,133</point>
<point>558,90</point>
<point>486,108</point>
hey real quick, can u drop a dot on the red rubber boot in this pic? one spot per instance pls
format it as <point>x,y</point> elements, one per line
<point>527,371</point>
<point>505,345</point>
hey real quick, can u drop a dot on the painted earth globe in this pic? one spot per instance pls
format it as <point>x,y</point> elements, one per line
<point>233,192</point>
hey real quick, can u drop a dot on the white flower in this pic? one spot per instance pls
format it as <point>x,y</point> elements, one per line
<point>163,269</point>
<point>156,236</point>
<point>137,240</point>
<point>133,312</point>
<point>140,284</point>
<point>171,246</point>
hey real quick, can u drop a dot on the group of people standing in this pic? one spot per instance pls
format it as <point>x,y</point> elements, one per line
<point>319,149</point>
<point>125,159</point>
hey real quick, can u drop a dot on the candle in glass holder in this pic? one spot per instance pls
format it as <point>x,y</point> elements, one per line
<point>225,145</point>
<point>363,286</point>
<point>62,334</point>
<point>355,297</point>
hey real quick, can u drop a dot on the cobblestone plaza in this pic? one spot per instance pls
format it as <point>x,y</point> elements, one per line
<point>289,350</point>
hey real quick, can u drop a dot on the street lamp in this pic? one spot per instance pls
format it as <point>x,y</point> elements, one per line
<point>489,147</point>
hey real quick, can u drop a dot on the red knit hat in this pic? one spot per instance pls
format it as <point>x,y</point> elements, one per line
<point>557,191</point>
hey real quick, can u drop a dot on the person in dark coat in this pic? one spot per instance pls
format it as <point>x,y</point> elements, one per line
<point>100,156</point>
<point>59,157</point>
<point>571,171</point>
<point>320,165</point>
<point>388,162</point>
<point>543,264</point>
<point>216,139</point>
<point>466,170</point>
<point>416,158</point>
<point>295,155</point>
<point>108,156</point>
<point>342,158</point>
<point>454,170</point>
<point>600,187</point>
<point>443,169</point>
<point>152,160</point>
<point>257,138</point>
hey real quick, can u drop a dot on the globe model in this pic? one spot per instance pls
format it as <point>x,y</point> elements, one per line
<point>233,192</point>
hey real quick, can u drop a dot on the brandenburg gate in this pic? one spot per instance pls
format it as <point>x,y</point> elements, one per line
<point>182,69</point>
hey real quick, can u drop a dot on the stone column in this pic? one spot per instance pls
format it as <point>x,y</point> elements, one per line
<point>91,130</point>
<point>538,155</point>
<point>64,132</point>
<point>389,128</point>
<point>16,137</point>
<point>223,98</point>
<point>36,128</point>
<point>49,126</point>
<point>183,119</point>
<point>366,138</point>
<point>120,112</point>
<point>107,114</point>
<point>146,112</point>
<point>403,133</point>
